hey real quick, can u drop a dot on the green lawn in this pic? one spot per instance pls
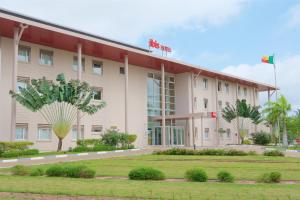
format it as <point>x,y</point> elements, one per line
<point>242,167</point>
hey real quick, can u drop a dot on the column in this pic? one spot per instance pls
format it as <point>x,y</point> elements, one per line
<point>79,78</point>
<point>237,118</point>
<point>163,105</point>
<point>126,93</point>
<point>193,109</point>
<point>217,111</point>
<point>0,58</point>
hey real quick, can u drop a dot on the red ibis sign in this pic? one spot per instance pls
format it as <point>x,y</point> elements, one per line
<point>213,114</point>
<point>154,44</point>
<point>298,140</point>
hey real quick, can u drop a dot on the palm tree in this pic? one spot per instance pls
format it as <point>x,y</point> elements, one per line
<point>242,110</point>
<point>58,102</point>
<point>277,114</point>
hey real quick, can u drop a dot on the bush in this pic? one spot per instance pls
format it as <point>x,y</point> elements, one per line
<point>6,146</point>
<point>20,170</point>
<point>272,177</point>
<point>111,137</point>
<point>146,173</point>
<point>55,170</point>
<point>88,142</point>
<point>273,153</point>
<point>87,173</point>
<point>211,152</point>
<point>197,175</point>
<point>37,172</point>
<point>18,153</point>
<point>248,142</point>
<point>73,171</point>
<point>225,176</point>
<point>261,138</point>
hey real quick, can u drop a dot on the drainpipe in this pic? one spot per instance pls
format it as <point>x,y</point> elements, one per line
<point>79,78</point>
<point>17,37</point>
<point>126,93</point>
<point>163,105</point>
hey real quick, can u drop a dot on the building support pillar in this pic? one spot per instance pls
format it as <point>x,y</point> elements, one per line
<point>237,118</point>
<point>193,109</point>
<point>79,78</point>
<point>18,32</point>
<point>163,105</point>
<point>218,113</point>
<point>126,93</point>
<point>0,57</point>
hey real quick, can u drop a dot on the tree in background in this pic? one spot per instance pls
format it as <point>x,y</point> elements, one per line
<point>58,103</point>
<point>242,110</point>
<point>277,115</point>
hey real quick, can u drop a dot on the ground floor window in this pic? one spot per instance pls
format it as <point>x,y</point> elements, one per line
<point>21,131</point>
<point>44,132</point>
<point>74,132</point>
<point>206,133</point>
<point>228,133</point>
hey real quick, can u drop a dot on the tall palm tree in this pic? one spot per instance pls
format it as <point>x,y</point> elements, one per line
<point>278,112</point>
<point>58,102</point>
<point>242,110</point>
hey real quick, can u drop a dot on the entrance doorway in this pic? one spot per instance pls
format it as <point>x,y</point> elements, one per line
<point>174,135</point>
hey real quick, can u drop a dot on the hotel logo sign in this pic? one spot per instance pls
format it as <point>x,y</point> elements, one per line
<point>154,44</point>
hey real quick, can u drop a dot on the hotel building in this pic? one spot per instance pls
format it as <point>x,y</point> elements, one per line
<point>163,101</point>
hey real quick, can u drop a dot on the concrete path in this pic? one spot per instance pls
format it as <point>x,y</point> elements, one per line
<point>72,157</point>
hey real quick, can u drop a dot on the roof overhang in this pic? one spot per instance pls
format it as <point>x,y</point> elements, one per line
<point>65,38</point>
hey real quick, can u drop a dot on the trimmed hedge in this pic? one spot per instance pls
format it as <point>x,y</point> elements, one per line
<point>18,153</point>
<point>146,173</point>
<point>37,172</point>
<point>272,177</point>
<point>273,153</point>
<point>211,152</point>
<point>6,146</point>
<point>20,170</point>
<point>224,176</point>
<point>55,170</point>
<point>70,171</point>
<point>196,175</point>
<point>100,147</point>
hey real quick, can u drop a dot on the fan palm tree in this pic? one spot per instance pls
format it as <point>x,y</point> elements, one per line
<point>278,112</point>
<point>242,110</point>
<point>58,102</point>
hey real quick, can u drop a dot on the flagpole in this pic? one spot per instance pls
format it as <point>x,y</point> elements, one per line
<point>275,80</point>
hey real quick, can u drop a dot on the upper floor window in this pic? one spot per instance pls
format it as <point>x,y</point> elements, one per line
<point>44,132</point>
<point>227,104</point>
<point>228,133</point>
<point>24,54</point>
<point>21,131</point>
<point>227,88</point>
<point>219,86</point>
<point>75,63</point>
<point>206,133</point>
<point>239,90</point>
<point>205,101</point>
<point>97,93</point>
<point>205,83</point>
<point>195,102</point>
<point>46,57</point>
<point>220,105</point>
<point>97,67</point>
<point>245,92</point>
<point>97,129</point>
<point>22,82</point>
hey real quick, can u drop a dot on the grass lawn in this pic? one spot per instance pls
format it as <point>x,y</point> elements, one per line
<point>148,189</point>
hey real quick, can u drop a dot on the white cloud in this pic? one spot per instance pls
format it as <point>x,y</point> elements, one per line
<point>129,20</point>
<point>288,70</point>
<point>293,16</point>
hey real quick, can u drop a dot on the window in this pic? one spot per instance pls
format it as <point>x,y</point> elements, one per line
<point>24,54</point>
<point>195,102</point>
<point>227,104</point>
<point>219,86</point>
<point>22,82</point>
<point>228,133</point>
<point>97,93</point>
<point>74,132</point>
<point>97,67</point>
<point>196,132</point>
<point>205,101</point>
<point>239,90</point>
<point>205,83</point>
<point>227,88</point>
<point>44,132</point>
<point>220,105</point>
<point>206,133</point>
<point>46,57</point>
<point>21,131</point>
<point>245,92</point>
<point>122,70</point>
<point>97,129</point>
<point>75,63</point>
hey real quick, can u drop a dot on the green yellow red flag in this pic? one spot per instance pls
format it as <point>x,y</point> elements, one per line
<point>268,59</point>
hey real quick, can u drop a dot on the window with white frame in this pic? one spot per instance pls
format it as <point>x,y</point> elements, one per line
<point>228,133</point>
<point>97,129</point>
<point>75,63</point>
<point>220,105</point>
<point>46,57</point>
<point>245,92</point>
<point>97,93</point>
<point>97,67</point>
<point>22,82</point>
<point>205,103</point>
<point>122,70</point>
<point>44,132</point>
<point>24,54</point>
<point>205,83</point>
<point>195,102</point>
<point>74,132</point>
<point>227,104</point>
<point>206,133</point>
<point>219,86</point>
<point>227,88</point>
<point>196,132</point>
<point>21,131</point>
<point>239,90</point>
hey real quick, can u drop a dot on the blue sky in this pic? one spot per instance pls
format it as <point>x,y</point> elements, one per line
<point>225,35</point>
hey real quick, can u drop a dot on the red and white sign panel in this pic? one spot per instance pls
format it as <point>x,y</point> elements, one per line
<point>154,44</point>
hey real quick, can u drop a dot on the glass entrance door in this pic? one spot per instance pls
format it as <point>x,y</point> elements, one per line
<point>174,135</point>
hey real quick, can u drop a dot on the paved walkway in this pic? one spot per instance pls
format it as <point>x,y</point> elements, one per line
<point>72,157</point>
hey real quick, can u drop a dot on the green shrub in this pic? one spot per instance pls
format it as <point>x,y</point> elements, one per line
<point>55,170</point>
<point>252,153</point>
<point>103,148</point>
<point>248,142</point>
<point>273,153</point>
<point>111,137</point>
<point>261,138</point>
<point>88,142</point>
<point>20,170</point>
<point>146,173</point>
<point>18,153</point>
<point>272,177</point>
<point>233,152</point>
<point>81,149</point>
<point>6,146</point>
<point>37,172</point>
<point>197,175</point>
<point>87,173</point>
<point>225,176</point>
<point>211,152</point>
